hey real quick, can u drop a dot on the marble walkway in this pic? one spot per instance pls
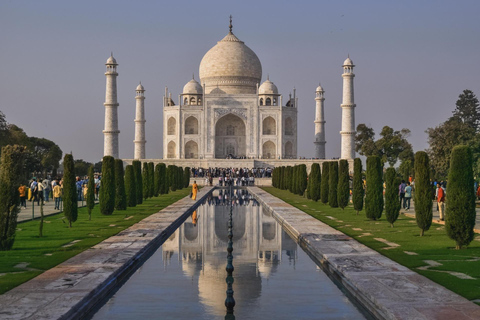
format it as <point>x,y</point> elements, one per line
<point>69,290</point>
<point>385,288</point>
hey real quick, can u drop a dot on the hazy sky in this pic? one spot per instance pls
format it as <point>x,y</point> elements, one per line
<point>413,59</point>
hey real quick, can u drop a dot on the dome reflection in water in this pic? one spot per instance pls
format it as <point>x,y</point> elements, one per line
<point>186,277</point>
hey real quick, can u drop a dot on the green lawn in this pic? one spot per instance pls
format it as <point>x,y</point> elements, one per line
<point>31,255</point>
<point>413,250</point>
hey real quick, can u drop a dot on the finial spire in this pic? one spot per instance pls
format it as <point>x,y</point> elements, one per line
<point>268,76</point>
<point>230,26</point>
<point>111,53</point>
<point>193,76</point>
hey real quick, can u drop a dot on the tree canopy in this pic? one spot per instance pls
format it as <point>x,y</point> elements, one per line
<point>391,147</point>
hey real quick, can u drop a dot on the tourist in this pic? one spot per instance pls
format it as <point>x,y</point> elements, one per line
<point>22,190</point>
<point>79,184</point>
<point>194,190</point>
<point>46,189</point>
<point>441,201</point>
<point>408,196</point>
<point>40,192</point>
<point>57,195</point>
<point>401,193</point>
<point>194,218</point>
<point>478,192</point>
<point>34,189</point>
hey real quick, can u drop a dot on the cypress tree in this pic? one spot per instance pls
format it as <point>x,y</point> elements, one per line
<point>156,181</point>
<point>151,179</point>
<point>460,214</point>
<point>186,177</point>
<point>163,179</point>
<point>171,169</point>
<point>343,189</point>
<point>315,182</point>
<point>120,196</point>
<point>281,172</point>
<point>374,196</point>
<point>130,188</point>
<point>137,170</point>
<point>288,178</point>
<point>309,187</point>
<point>108,188</point>
<point>325,182</point>
<point>333,184</point>
<point>70,204</point>
<point>11,171</point>
<point>302,179</point>
<point>180,180</point>
<point>145,180</point>
<point>423,192</point>
<point>90,192</point>
<point>295,180</point>
<point>392,205</point>
<point>358,191</point>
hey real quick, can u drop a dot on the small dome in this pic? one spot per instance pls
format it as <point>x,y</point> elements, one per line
<point>140,87</point>
<point>319,88</point>
<point>348,62</point>
<point>111,60</point>
<point>268,87</point>
<point>192,87</point>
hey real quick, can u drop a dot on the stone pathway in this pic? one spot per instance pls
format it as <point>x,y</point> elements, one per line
<point>385,288</point>
<point>436,217</point>
<point>71,289</point>
<point>48,209</point>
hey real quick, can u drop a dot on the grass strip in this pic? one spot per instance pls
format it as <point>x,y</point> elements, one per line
<point>31,255</point>
<point>433,255</point>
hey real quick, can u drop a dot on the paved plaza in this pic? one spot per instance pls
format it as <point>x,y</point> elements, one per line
<point>48,210</point>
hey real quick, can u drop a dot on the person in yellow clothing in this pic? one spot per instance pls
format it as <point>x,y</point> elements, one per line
<point>22,190</point>
<point>57,195</point>
<point>194,190</point>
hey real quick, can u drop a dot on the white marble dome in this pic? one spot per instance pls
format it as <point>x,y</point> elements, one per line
<point>348,62</point>
<point>192,87</point>
<point>319,89</point>
<point>231,66</point>
<point>111,60</point>
<point>140,87</point>
<point>268,87</point>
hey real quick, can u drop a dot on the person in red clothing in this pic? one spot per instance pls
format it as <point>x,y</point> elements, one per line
<point>441,200</point>
<point>478,192</point>
<point>22,190</point>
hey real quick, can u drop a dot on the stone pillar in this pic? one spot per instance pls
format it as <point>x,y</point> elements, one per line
<point>348,112</point>
<point>140,123</point>
<point>319,123</point>
<point>110,146</point>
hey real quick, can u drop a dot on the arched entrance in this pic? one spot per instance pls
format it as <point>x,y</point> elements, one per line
<point>230,137</point>
<point>269,150</point>
<point>171,150</point>
<point>191,150</point>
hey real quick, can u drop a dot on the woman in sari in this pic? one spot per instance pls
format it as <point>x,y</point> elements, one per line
<point>194,190</point>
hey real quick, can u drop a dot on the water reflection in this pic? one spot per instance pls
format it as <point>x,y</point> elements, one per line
<point>258,244</point>
<point>186,277</point>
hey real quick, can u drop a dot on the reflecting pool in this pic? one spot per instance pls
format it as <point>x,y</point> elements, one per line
<point>186,278</point>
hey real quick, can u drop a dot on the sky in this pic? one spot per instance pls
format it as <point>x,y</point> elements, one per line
<point>413,59</point>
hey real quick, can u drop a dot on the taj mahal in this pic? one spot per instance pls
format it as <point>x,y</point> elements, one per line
<point>229,114</point>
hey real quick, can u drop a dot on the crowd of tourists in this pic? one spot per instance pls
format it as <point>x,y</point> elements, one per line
<point>42,190</point>
<point>231,176</point>
<point>439,191</point>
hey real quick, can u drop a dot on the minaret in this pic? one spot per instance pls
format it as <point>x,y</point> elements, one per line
<point>140,124</point>
<point>348,112</point>
<point>319,123</point>
<point>110,146</point>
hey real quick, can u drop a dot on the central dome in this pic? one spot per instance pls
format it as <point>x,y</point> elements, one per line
<point>230,67</point>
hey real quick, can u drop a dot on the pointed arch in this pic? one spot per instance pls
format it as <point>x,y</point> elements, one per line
<point>191,150</point>
<point>172,150</point>
<point>191,125</point>
<point>268,150</point>
<point>171,126</point>
<point>269,126</point>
